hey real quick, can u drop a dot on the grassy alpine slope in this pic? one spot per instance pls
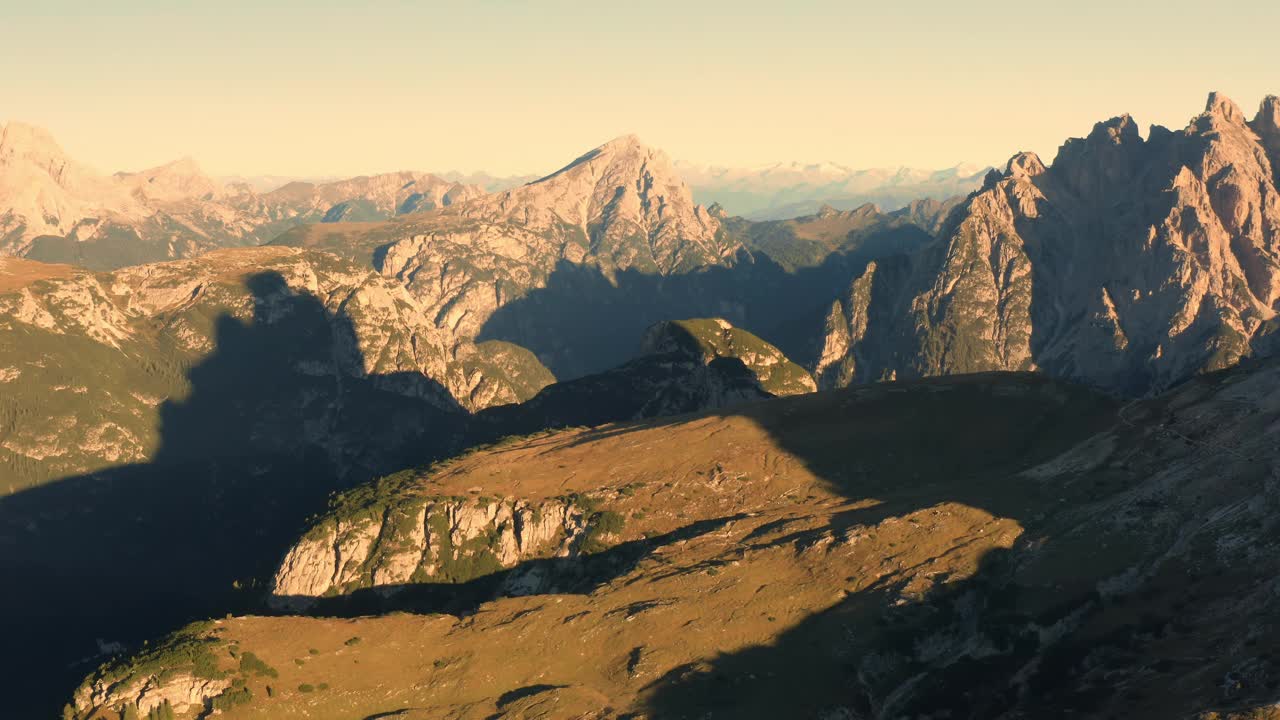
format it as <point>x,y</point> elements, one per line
<point>1046,552</point>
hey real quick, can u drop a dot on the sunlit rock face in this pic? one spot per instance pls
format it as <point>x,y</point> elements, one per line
<point>1129,263</point>
<point>619,207</point>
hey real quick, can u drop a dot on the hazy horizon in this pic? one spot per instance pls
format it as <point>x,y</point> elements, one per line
<point>518,88</point>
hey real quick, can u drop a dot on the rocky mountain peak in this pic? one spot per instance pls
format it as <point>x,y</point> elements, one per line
<point>1116,131</point>
<point>1267,121</point>
<point>1223,107</point>
<point>17,138</point>
<point>991,179</point>
<point>625,158</point>
<point>1267,125</point>
<point>43,191</point>
<point>627,202</point>
<point>177,180</point>
<point>630,141</point>
<point>27,151</point>
<point>1024,165</point>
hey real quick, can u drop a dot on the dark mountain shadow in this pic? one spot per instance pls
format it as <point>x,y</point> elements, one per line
<point>914,446</point>
<point>584,321</point>
<point>655,385</point>
<point>276,420</point>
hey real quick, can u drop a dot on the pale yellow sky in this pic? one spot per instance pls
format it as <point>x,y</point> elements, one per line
<point>513,86</point>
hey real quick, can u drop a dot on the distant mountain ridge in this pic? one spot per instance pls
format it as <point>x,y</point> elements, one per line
<point>55,209</point>
<point>786,190</point>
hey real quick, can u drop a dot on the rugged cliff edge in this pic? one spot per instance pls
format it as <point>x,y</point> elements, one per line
<point>389,542</point>
<point>1129,264</point>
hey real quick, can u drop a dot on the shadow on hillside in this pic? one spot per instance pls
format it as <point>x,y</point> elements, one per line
<point>279,415</point>
<point>786,307</point>
<point>911,447</point>
<point>985,644</point>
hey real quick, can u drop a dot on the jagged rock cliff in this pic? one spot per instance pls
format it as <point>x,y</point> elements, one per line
<point>417,538</point>
<point>1129,264</point>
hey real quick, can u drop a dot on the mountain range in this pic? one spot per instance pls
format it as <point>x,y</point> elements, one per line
<point>785,190</point>
<point>1001,454</point>
<point>57,210</point>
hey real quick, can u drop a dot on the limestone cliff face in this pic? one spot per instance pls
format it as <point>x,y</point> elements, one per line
<point>627,204</point>
<point>1128,263</point>
<point>54,209</point>
<point>42,191</point>
<point>419,538</point>
<point>183,691</point>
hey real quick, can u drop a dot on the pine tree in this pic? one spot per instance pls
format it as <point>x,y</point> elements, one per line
<point>163,711</point>
<point>68,712</point>
<point>130,712</point>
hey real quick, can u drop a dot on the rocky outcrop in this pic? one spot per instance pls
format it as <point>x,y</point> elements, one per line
<point>712,338</point>
<point>1129,264</point>
<point>183,691</point>
<point>191,673</point>
<point>423,539</point>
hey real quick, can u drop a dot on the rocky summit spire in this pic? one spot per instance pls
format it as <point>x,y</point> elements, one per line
<point>1224,107</point>
<point>1024,164</point>
<point>627,198</point>
<point>1267,121</point>
<point>1116,131</point>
